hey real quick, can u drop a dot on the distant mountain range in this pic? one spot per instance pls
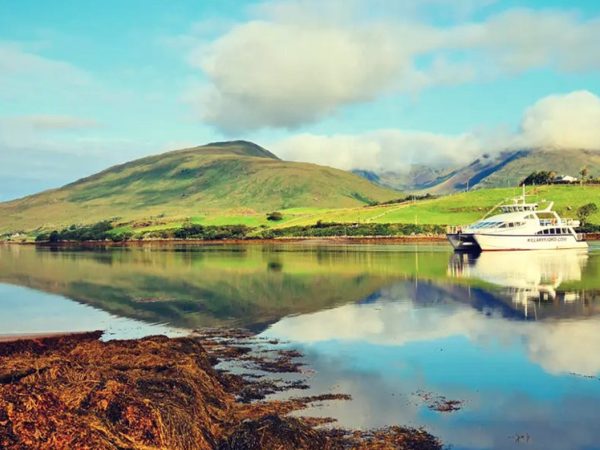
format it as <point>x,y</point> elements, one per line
<point>507,168</point>
<point>236,175</point>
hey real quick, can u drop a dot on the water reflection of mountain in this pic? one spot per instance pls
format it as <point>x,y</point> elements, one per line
<point>539,284</point>
<point>253,286</point>
<point>196,287</point>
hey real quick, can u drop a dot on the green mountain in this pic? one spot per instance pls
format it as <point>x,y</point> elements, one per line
<point>239,177</point>
<point>503,169</point>
<point>563,162</point>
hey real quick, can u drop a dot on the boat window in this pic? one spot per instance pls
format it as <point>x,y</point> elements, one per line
<point>546,231</point>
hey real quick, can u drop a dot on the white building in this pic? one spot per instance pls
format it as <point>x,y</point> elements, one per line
<point>565,179</point>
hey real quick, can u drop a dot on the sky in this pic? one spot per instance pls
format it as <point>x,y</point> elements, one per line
<point>353,84</point>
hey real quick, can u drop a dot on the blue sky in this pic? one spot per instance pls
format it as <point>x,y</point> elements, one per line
<point>350,84</point>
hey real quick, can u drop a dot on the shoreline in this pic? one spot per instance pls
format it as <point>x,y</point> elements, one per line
<point>346,240</point>
<point>35,336</point>
<point>75,391</point>
<point>335,240</point>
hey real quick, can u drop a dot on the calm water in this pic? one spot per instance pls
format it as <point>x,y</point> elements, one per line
<point>516,336</point>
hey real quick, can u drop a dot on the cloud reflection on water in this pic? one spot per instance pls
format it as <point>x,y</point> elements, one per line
<point>515,375</point>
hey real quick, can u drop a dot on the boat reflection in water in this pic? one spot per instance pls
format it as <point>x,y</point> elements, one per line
<point>532,279</point>
<point>461,334</point>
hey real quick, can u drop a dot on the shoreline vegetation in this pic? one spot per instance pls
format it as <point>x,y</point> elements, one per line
<point>105,232</point>
<point>75,391</point>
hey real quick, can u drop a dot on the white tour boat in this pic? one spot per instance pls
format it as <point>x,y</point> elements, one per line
<point>519,226</point>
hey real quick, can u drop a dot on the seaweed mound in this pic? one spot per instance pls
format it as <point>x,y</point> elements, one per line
<point>75,392</point>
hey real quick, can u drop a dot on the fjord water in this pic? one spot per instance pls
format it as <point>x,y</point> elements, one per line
<point>515,336</point>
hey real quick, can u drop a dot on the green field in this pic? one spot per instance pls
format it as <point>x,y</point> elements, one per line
<point>455,209</point>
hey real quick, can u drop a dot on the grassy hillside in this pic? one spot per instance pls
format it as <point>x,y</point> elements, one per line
<point>234,179</point>
<point>456,209</point>
<point>566,162</point>
<point>429,214</point>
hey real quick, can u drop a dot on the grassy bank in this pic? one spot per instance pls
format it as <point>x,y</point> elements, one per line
<point>423,216</point>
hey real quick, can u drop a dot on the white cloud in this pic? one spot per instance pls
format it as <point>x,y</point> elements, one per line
<point>24,74</point>
<point>46,151</point>
<point>570,121</point>
<point>47,122</point>
<point>380,150</point>
<point>300,61</point>
<point>522,39</point>
<point>14,60</point>
<point>281,74</point>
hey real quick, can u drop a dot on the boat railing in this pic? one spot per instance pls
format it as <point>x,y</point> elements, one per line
<point>454,229</point>
<point>580,236</point>
<point>571,222</point>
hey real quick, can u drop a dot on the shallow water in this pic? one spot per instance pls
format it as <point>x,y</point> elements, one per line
<point>514,335</point>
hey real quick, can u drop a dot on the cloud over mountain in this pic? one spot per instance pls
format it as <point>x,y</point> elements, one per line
<point>380,150</point>
<point>569,121</point>
<point>298,62</point>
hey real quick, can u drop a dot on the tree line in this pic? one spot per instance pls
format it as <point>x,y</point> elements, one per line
<point>550,176</point>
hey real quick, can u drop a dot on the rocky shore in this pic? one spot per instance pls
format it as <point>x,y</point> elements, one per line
<point>76,391</point>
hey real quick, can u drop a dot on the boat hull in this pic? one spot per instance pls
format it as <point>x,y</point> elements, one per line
<point>489,242</point>
<point>464,242</point>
